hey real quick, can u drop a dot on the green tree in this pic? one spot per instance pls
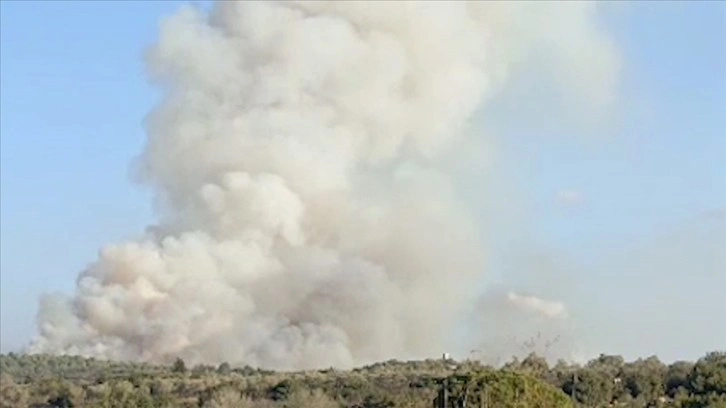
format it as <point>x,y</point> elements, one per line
<point>535,365</point>
<point>645,379</point>
<point>592,387</point>
<point>179,366</point>
<point>709,374</point>
<point>224,369</point>
<point>678,378</point>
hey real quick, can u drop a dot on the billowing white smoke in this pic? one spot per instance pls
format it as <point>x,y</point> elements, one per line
<point>304,221</point>
<point>550,309</point>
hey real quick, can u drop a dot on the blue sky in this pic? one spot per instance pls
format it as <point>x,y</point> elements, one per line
<point>650,186</point>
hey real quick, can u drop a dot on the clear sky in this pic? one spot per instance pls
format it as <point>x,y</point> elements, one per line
<point>631,220</point>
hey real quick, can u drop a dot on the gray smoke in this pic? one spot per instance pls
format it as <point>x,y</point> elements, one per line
<point>304,217</point>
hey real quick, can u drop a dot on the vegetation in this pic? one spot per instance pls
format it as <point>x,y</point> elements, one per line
<point>46,381</point>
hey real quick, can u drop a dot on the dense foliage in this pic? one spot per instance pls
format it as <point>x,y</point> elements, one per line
<point>46,381</point>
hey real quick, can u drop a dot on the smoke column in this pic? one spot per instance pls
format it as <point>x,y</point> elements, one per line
<point>304,220</point>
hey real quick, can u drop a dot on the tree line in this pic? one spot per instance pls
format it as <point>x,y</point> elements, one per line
<point>607,381</point>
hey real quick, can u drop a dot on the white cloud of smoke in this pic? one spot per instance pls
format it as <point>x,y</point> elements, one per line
<point>303,219</point>
<point>533,304</point>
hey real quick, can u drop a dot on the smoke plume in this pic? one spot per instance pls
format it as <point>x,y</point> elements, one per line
<point>533,304</point>
<point>304,217</point>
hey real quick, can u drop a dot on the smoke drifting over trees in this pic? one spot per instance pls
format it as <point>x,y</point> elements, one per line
<point>305,219</point>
